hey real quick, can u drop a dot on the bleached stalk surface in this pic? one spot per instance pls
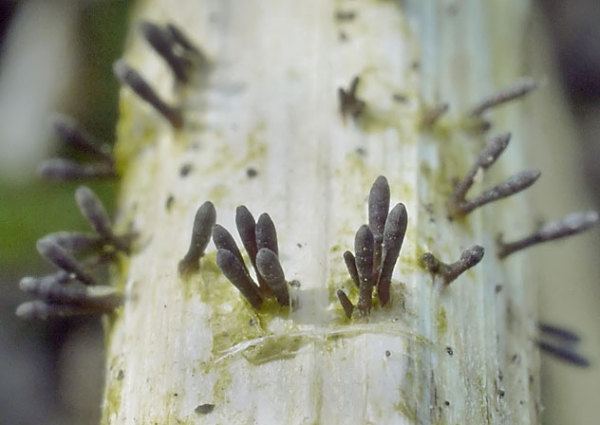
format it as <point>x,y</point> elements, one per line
<point>269,102</point>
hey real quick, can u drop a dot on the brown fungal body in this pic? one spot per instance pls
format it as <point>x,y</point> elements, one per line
<point>377,247</point>
<point>205,219</point>
<point>131,78</point>
<point>450,272</point>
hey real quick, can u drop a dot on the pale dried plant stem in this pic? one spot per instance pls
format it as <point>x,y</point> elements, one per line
<point>270,103</point>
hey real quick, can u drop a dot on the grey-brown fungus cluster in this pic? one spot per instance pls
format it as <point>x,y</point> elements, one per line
<point>260,242</point>
<point>101,163</point>
<point>459,205</point>
<point>376,249</point>
<point>73,289</point>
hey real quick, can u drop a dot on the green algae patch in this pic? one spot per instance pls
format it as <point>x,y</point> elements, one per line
<point>232,319</point>
<point>257,148</point>
<point>133,133</point>
<point>441,321</point>
<point>336,248</point>
<point>377,122</point>
<point>112,401</point>
<point>409,412</point>
<point>121,272</point>
<point>275,348</point>
<point>221,385</point>
<point>109,324</point>
<point>218,193</point>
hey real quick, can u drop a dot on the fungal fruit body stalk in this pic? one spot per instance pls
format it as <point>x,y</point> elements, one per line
<point>261,126</point>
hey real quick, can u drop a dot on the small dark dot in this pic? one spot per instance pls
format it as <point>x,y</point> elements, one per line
<point>345,15</point>
<point>501,393</point>
<point>498,288</point>
<point>387,353</point>
<point>251,172</point>
<point>514,358</point>
<point>169,203</point>
<point>521,402</point>
<point>447,403</point>
<point>204,409</point>
<point>399,97</point>
<point>175,394</point>
<point>450,351</point>
<point>120,375</point>
<point>361,151</point>
<point>295,283</point>
<point>342,36</point>
<point>452,9</point>
<point>415,65</point>
<point>299,245</point>
<point>185,170</point>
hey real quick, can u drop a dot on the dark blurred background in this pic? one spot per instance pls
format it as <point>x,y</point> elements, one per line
<point>56,55</point>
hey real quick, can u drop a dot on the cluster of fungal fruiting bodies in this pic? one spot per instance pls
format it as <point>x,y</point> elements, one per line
<point>260,242</point>
<point>366,268</point>
<point>376,246</point>
<point>376,249</point>
<point>61,169</point>
<point>73,289</point>
<point>179,53</point>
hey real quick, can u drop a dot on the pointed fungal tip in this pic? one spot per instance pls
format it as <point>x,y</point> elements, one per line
<point>364,231</point>
<point>134,80</point>
<point>45,245</point>
<point>381,181</point>
<point>271,271</point>
<point>147,27</point>
<point>27,284</point>
<point>350,262</point>
<point>241,210</point>
<point>163,42</point>
<point>379,204</point>
<point>363,242</point>
<point>246,227</point>
<point>63,124</point>
<point>582,220</point>
<point>266,234</point>
<point>493,149</point>
<point>25,310</point>
<point>122,70</point>
<point>268,265</point>
<point>474,254</point>
<point>533,174</point>
<point>519,89</point>
<point>93,210</point>
<point>83,193</point>
<point>398,216</point>
<point>345,302</point>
